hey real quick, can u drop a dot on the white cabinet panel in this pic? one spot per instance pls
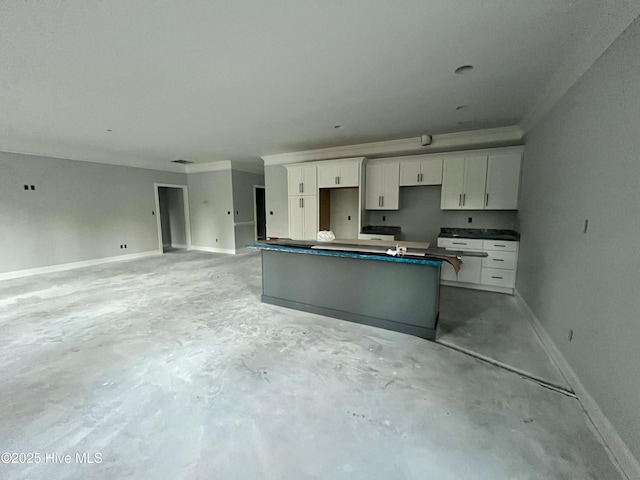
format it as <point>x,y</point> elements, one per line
<point>302,180</point>
<point>452,183</point>
<point>335,175</point>
<point>503,181</point>
<point>349,175</point>
<point>501,260</point>
<point>303,217</point>
<point>420,171</point>
<point>475,178</point>
<point>382,186</point>
<point>498,278</point>
<point>460,243</point>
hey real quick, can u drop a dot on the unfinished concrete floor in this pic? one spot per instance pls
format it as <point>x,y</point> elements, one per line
<point>170,367</point>
<point>494,326</point>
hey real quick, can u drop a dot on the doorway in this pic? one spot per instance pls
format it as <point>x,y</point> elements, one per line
<point>260,212</point>
<point>172,208</point>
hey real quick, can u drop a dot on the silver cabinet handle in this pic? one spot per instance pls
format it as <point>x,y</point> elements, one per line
<point>338,180</point>
<point>335,180</point>
<point>500,278</point>
<point>460,200</point>
<point>498,260</point>
<point>464,199</point>
<point>458,243</point>
<point>421,178</point>
<point>302,202</point>
<point>486,202</point>
<point>300,187</point>
<point>382,200</point>
<point>496,245</point>
<point>418,177</point>
<point>379,200</point>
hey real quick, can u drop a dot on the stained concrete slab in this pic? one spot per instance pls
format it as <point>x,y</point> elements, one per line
<point>170,367</point>
<point>494,326</point>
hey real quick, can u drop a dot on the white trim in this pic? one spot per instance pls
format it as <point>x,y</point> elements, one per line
<point>478,286</point>
<point>70,266</point>
<point>179,245</point>
<point>187,217</point>
<point>208,167</point>
<point>611,25</point>
<point>449,141</point>
<point>616,448</point>
<point>228,251</point>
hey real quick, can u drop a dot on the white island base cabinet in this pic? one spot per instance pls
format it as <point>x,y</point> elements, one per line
<point>495,273</point>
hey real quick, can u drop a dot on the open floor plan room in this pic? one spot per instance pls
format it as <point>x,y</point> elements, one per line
<point>171,367</point>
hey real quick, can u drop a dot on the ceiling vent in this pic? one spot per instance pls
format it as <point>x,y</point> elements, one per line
<point>183,162</point>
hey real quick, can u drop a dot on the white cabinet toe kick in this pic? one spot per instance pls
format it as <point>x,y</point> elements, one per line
<point>494,272</point>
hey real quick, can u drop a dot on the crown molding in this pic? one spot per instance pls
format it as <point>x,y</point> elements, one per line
<point>493,137</point>
<point>610,27</point>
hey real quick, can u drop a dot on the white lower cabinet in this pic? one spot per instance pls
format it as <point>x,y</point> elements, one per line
<point>303,217</point>
<point>495,272</point>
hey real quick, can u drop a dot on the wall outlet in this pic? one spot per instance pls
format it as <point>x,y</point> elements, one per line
<point>470,220</point>
<point>26,187</point>
<point>384,219</point>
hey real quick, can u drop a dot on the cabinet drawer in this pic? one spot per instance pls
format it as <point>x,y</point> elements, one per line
<point>505,246</point>
<point>375,236</point>
<point>460,243</point>
<point>498,278</point>
<point>501,260</point>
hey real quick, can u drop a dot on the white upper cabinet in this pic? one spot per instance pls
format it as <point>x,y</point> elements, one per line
<point>302,180</point>
<point>420,170</point>
<point>503,181</point>
<point>382,186</point>
<point>463,182</point>
<point>339,174</point>
<point>481,181</point>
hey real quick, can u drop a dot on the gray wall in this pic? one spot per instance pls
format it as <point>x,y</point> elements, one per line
<point>276,198</point>
<point>583,161</point>
<point>211,209</point>
<point>420,216</point>
<point>243,204</point>
<point>79,211</point>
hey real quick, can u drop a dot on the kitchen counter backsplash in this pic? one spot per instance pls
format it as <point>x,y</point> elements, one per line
<point>480,233</point>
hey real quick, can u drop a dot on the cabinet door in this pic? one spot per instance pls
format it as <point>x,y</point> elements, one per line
<point>294,180</point>
<point>349,175</point>
<point>475,179</point>
<point>309,184</point>
<point>328,176</point>
<point>503,181</point>
<point>410,173</point>
<point>296,218</point>
<point>373,186</point>
<point>310,214</point>
<point>390,186</point>
<point>452,183</point>
<point>431,171</point>
<point>470,270</point>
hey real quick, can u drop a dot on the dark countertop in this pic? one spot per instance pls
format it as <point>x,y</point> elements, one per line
<point>480,233</point>
<point>381,230</point>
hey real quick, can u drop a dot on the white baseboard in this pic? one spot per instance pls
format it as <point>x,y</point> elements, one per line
<point>617,449</point>
<point>178,245</point>
<point>228,251</point>
<point>477,286</point>
<point>69,266</point>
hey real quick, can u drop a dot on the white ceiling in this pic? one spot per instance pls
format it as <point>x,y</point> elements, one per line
<point>233,80</point>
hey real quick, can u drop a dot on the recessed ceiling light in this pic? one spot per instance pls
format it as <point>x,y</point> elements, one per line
<point>338,127</point>
<point>464,69</point>
<point>462,107</point>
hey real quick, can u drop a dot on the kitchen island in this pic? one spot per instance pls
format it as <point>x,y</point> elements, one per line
<point>357,282</point>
